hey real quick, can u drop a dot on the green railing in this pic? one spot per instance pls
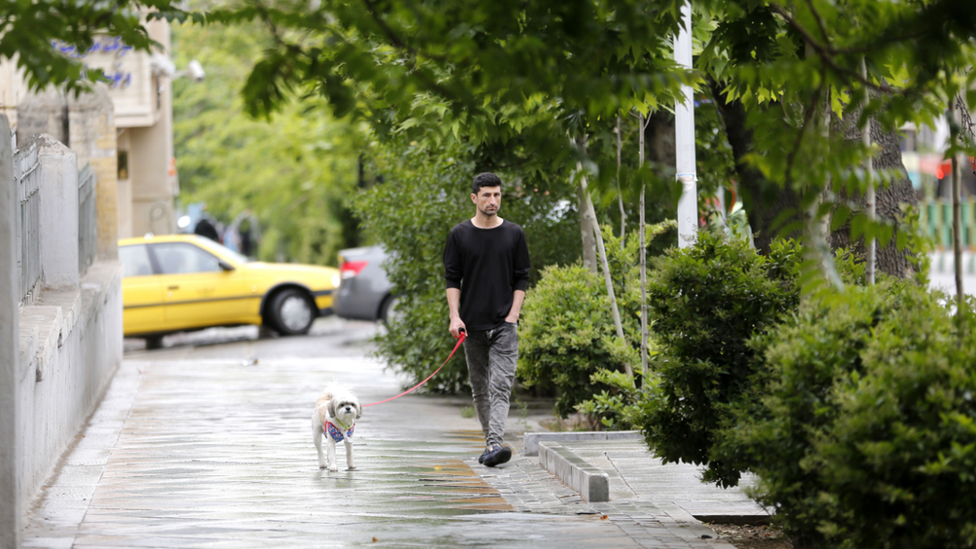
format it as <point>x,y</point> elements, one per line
<point>936,221</point>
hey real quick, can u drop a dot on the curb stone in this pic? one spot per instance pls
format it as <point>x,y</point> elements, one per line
<point>592,484</point>
<point>532,440</point>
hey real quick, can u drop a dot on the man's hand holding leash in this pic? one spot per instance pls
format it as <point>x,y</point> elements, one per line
<point>457,326</point>
<point>454,307</point>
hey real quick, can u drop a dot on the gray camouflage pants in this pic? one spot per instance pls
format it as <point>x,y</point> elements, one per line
<point>491,357</point>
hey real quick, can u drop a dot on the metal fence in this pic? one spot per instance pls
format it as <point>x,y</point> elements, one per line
<point>936,220</point>
<point>87,220</point>
<point>29,235</point>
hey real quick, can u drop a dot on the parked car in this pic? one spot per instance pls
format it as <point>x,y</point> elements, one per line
<point>365,292</point>
<point>188,282</point>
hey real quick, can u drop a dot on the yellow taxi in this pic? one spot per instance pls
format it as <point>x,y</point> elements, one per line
<point>187,282</point>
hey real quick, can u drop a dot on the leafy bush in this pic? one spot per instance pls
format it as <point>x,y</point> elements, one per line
<point>706,302</point>
<point>411,212</point>
<point>570,342</point>
<point>867,437</point>
<point>568,334</point>
<point>619,408</point>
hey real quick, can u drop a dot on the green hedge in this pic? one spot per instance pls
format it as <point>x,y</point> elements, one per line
<point>706,302</point>
<point>568,334</point>
<point>867,434</point>
<point>568,340</point>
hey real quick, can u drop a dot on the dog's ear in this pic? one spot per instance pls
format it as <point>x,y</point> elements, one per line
<point>359,410</point>
<point>332,408</point>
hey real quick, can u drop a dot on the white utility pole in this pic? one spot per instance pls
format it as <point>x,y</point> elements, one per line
<point>869,198</point>
<point>684,123</point>
<point>642,127</point>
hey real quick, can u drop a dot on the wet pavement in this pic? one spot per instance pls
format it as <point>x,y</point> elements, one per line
<point>208,444</point>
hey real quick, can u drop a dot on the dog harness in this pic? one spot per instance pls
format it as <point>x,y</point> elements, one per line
<point>337,434</point>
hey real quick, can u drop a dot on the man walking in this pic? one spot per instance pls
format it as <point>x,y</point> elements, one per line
<point>486,264</point>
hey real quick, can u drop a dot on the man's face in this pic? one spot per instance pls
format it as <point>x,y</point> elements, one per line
<point>488,200</point>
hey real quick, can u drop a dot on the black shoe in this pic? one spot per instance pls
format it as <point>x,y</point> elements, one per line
<point>497,456</point>
<point>481,458</point>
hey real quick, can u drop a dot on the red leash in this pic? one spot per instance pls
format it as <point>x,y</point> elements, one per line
<point>456,345</point>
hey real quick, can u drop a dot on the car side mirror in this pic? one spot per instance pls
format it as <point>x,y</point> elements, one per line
<point>225,266</point>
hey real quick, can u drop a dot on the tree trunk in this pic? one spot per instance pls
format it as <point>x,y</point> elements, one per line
<point>605,265</point>
<point>762,200</point>
<point>659,139</point>
<point>587,229</point>
<point>589,213</point>
<point>889,200</point>
<point>620,194</point>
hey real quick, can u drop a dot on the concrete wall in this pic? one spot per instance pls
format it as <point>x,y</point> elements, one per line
<point>58,355</point>
<point>9,329</point>
<point>152,168</point>
<point>70,346</point>
<point>152,193</point>
<point>58,175</point>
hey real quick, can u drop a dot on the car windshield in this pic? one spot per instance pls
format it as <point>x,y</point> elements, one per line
<point>220,248</point>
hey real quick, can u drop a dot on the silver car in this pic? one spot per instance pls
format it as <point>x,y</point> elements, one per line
<point>364,293</point>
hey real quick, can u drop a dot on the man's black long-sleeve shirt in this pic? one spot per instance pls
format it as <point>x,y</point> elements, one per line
<point>487,265</point>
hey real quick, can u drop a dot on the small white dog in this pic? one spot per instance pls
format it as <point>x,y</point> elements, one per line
<point>335,417</point>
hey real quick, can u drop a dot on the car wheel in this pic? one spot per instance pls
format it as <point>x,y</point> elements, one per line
<point>154,342</point>
<point>389,312</point>
<point>292,312</point>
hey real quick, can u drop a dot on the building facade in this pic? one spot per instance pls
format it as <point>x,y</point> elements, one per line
<point>142,167</point>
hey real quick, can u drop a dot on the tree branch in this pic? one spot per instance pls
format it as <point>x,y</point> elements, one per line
<point>397,42</point>
<point>391,35</point>
<point>807,117</point>
<point>825,53</point>
<point>820,23</point>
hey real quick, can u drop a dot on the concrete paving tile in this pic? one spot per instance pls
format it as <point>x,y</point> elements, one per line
<point>78,475</point>
<point>45,517</point>
<point>88,454</point>
<point>61,496</point>
<point>138,541</point>
<point>49,543</point>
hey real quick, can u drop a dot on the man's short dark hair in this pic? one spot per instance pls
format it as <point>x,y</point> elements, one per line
<point>486,179</point>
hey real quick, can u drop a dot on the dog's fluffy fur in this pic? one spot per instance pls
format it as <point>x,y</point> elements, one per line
<point>335,403</point>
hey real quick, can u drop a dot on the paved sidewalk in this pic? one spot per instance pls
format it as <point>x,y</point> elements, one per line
<point>217,453</point>
<point>636,475</point>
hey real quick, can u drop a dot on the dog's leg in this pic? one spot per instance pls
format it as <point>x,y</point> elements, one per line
<point>349,462</point>
<point>333,466</point>
<point>317,439</point>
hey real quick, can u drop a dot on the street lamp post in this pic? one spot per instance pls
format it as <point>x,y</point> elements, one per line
<point>684,122</point>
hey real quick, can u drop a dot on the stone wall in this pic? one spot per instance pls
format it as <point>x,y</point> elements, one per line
<point>91,134</point>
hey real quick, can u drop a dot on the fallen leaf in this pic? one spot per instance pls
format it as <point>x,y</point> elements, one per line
<point>604,517</point>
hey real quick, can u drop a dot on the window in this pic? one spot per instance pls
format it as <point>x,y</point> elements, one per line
<point>179,258</point>
<point>123,165</point>
<point>135,259</point>
<point>909,141</point>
